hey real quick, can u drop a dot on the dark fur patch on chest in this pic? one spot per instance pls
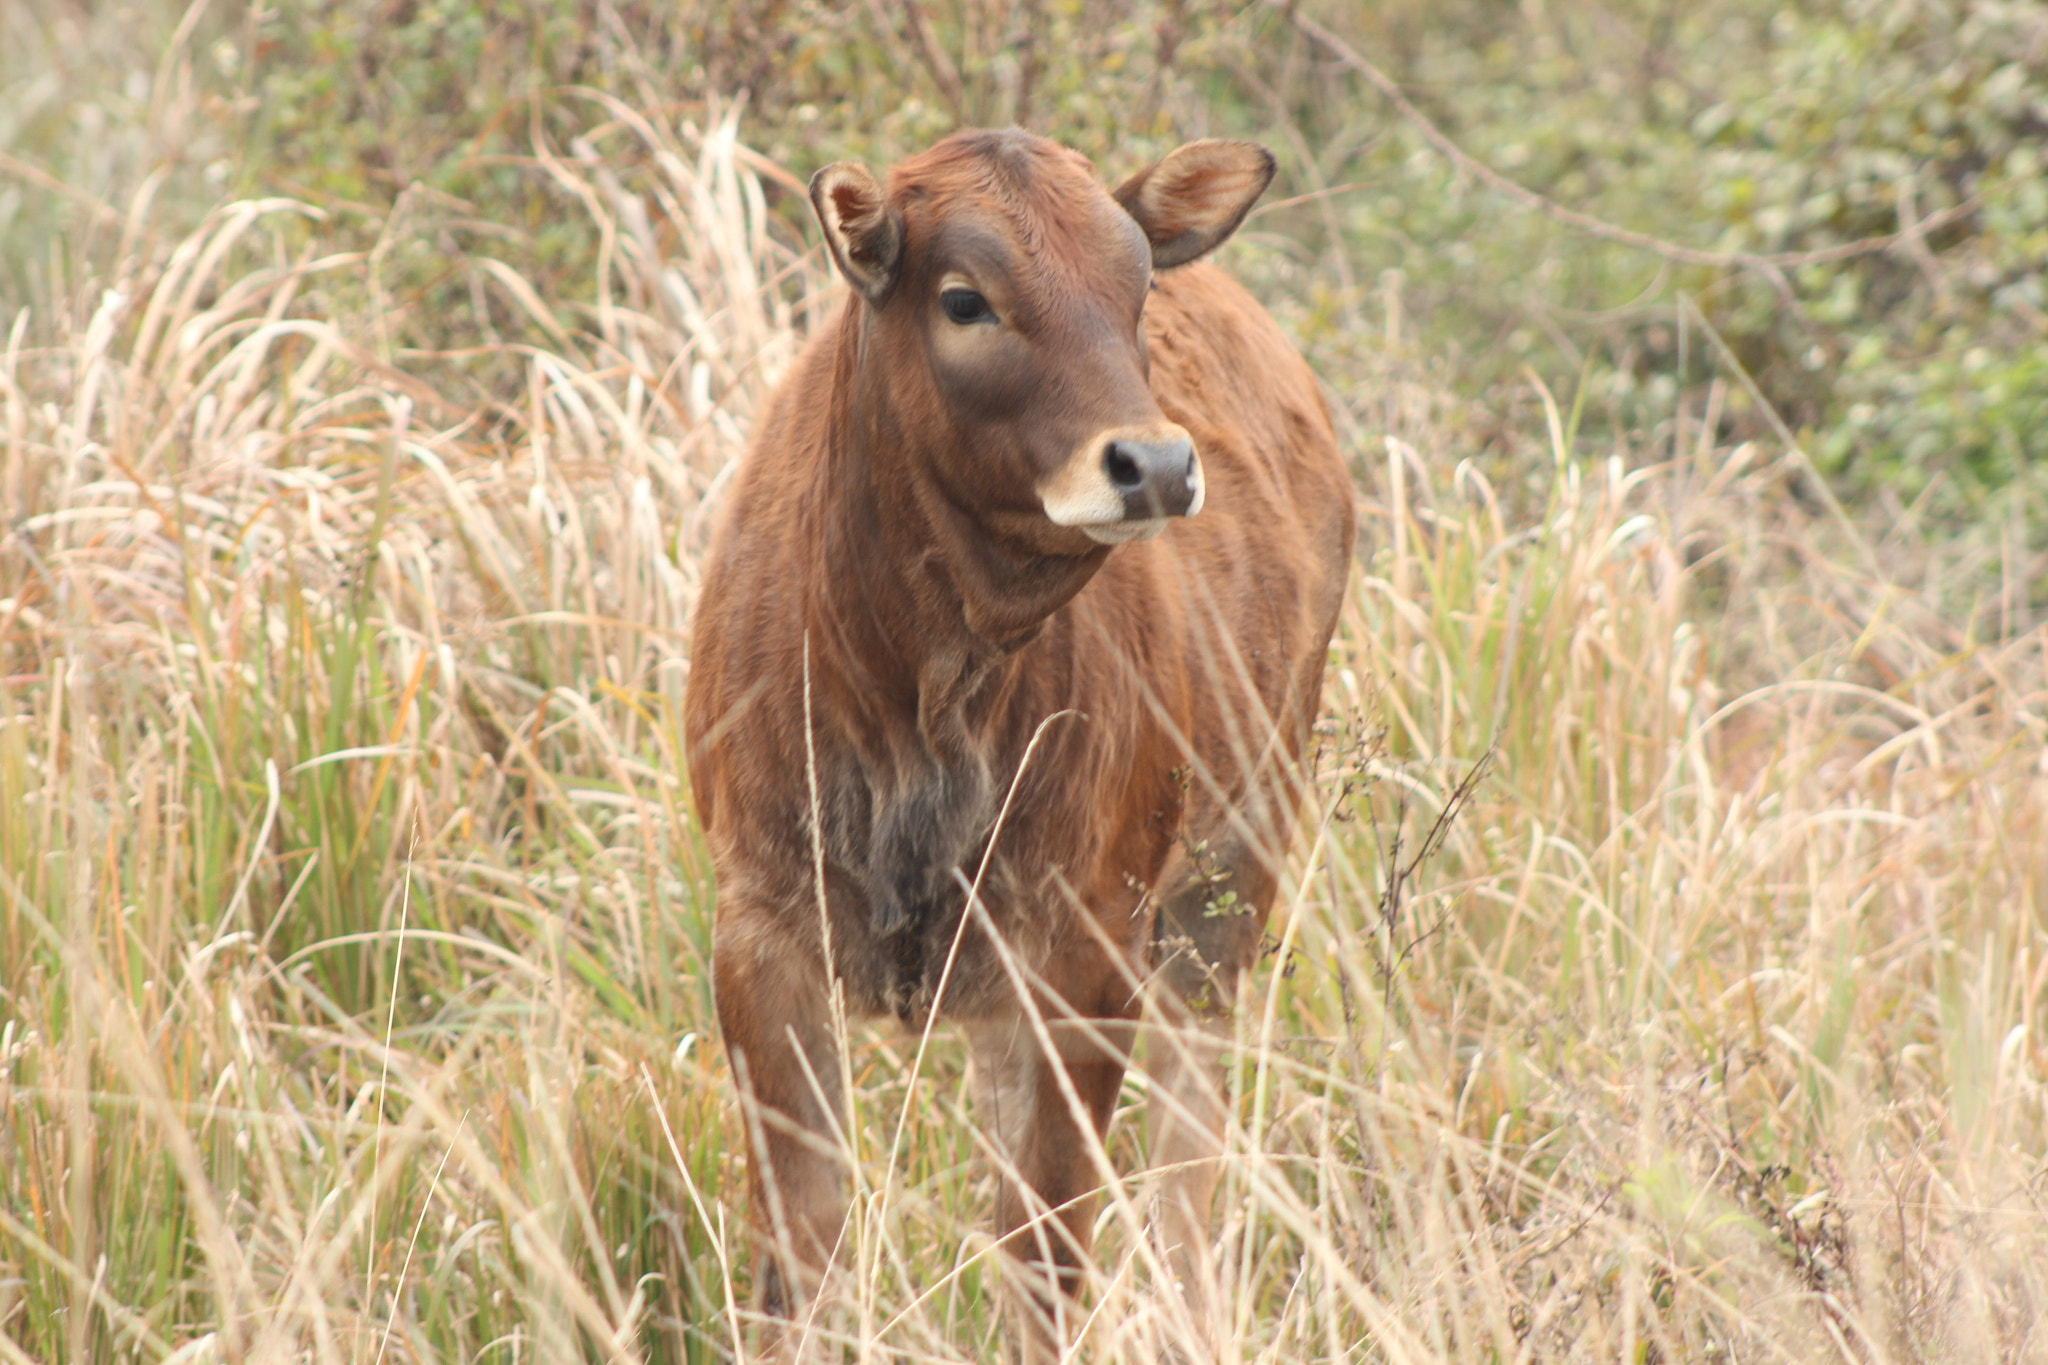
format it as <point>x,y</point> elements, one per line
<point>900,837</point>
<point>919,835</point>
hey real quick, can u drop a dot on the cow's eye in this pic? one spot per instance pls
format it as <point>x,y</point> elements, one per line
<point>965,306</point>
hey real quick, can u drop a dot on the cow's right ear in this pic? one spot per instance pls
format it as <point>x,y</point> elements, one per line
<point>865,237</point>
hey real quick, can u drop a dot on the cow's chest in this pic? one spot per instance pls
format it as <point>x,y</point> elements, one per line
<point>901,834</point>
<point>925,820</point>
<point>908,838</point>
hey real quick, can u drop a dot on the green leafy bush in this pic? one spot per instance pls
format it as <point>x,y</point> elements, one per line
<point>1914,130</point>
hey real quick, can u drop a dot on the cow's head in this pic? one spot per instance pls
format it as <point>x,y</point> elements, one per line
<point>1003,346</point>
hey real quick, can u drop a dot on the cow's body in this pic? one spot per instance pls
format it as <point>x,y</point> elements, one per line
<point>879,640</point>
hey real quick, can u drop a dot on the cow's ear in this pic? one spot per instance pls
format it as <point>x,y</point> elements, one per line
<point>865,236</point>
<point>1190,201</point>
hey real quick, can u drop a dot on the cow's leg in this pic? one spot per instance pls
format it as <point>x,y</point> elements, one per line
<point>1050,1178</point>
<point>1208,938</point>
<point>1185,1121</point>
<point>774,1012</point>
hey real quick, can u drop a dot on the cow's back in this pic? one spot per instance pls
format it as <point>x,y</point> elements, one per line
<point>1266,560</point>
<point>1261,575</point>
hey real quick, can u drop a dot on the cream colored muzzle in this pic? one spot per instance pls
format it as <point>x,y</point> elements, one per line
<point>1126,483</point>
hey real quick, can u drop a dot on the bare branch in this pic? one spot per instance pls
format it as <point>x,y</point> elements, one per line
<point>1772,265</point>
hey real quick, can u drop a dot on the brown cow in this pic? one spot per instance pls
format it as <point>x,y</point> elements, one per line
<point>952,534</point>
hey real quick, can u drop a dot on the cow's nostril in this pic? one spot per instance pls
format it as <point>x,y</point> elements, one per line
<point>1123,471</point>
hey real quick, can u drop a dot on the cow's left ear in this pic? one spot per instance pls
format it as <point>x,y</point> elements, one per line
<point>1191,200</point>
<point>866,237</point>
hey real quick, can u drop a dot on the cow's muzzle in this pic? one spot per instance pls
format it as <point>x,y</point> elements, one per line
<point>1156,478</point>
<point>1127,483</point>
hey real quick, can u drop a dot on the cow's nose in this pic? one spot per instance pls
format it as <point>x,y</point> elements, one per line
<point>1156,478</point>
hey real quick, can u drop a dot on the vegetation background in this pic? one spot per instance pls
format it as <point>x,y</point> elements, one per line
<point>1660,978</point>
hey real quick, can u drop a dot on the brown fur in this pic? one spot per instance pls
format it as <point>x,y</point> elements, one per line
<point>885,541</point>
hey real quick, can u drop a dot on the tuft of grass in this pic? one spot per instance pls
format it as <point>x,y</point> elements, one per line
<point>1656,979</point>
<point>353,927</point>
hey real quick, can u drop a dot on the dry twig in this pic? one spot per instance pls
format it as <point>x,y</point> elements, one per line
<point>1772,266</point>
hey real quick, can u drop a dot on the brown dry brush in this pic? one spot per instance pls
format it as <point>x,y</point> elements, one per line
<point>1657,979</point>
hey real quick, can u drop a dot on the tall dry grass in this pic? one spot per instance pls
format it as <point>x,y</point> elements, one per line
<point>1657,979</point>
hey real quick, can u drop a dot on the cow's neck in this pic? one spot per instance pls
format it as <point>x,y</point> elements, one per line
<point>919,627</point>
<point>918,603</point>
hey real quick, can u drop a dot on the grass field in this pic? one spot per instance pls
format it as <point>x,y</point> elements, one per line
<point>1659,976</point>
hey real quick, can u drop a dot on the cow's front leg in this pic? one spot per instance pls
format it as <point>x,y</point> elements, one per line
<point>774,1010</point>
<point>1048,1136</point>
<point>1206,950</point>
<point>1186,1118</point>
